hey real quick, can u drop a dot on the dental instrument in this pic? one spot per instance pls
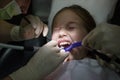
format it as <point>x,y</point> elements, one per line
<point>30,48</point>
<point>10,47</point>
<point>74,45</point>
<point>101,55</point>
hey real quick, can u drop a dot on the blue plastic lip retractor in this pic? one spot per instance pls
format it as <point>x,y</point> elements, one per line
<point>74,45</point>
<point>101,55</point>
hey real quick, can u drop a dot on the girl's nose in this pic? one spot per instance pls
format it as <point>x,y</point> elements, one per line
<point>62,33</point>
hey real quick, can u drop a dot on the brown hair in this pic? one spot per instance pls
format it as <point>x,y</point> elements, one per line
<point>88,20</point>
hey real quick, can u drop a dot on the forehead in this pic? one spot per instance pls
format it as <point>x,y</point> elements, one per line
<point>67,16</point>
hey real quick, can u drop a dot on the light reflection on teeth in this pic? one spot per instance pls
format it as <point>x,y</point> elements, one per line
<point>64,43</point>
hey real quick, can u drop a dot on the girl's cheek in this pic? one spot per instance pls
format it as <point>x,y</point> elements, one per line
<point>54,36</point>
<point>75,37</point>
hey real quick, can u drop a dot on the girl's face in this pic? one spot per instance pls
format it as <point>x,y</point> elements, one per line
<point>68,28</point>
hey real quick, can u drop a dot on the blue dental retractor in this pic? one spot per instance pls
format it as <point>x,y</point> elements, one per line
<point>73,45</point>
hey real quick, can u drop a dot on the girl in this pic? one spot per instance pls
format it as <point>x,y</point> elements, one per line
<point>71,24</point>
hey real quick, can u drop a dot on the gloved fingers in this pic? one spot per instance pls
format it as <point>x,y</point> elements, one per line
<point>57,51</point>
<point>32,20</point>
<point>24,22</point>
<point>103,37</point>
<point>45,30</point>
<point>27,34</point>
<point>36,23</point>
<point>51,43</point>
<point>88,39</point>
<point>94,38</point>
<point>39,28</point>
<point>62,56</point>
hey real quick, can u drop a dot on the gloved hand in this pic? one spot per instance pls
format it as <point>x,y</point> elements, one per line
<point>30,28</point>
<point>41,64</point>
<point>105,38</point>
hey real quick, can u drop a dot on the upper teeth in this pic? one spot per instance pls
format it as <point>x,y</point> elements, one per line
<point>64,43</point>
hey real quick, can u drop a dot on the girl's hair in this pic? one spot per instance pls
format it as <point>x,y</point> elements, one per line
<point>88,20</point>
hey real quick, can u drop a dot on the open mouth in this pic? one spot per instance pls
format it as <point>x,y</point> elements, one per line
<point>64,43</point>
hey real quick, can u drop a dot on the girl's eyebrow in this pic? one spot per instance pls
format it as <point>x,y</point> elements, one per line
<point>74,23</point>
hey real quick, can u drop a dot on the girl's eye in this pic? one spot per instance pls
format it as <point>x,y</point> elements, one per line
<point>56,29</point>
<point>71,27</point>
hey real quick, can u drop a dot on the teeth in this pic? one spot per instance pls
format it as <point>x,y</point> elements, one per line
<point>64,43</point>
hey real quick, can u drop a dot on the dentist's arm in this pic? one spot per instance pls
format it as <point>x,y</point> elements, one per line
<point>41,64</point>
